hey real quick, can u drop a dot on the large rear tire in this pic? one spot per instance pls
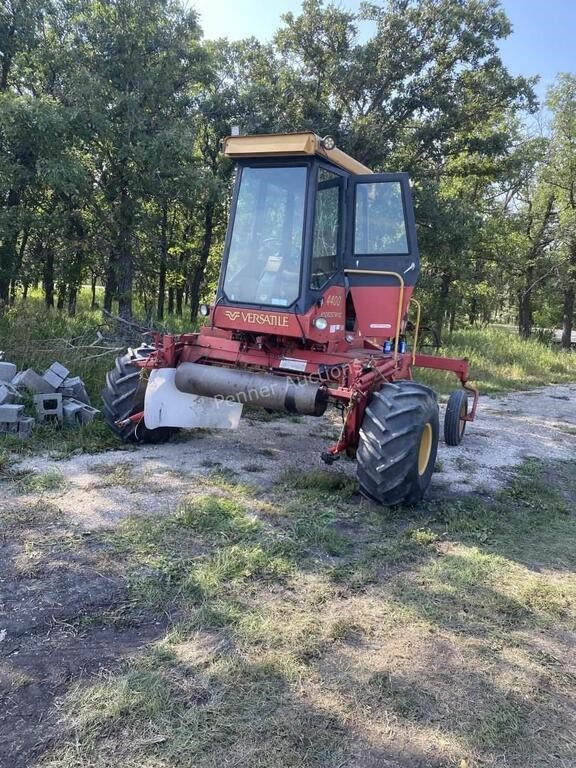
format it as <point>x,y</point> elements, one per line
<point>123,396</point>
<point>398,443</point>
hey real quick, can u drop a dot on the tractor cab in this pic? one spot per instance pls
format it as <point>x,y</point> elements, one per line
<point>317,245</point>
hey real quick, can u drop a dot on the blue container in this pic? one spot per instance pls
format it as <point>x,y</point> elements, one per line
<point>387,348</point>
<point>402,347</point>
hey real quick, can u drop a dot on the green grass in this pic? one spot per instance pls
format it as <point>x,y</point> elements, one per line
<point>210,514</point>
<point>304,618</point>
<point>41,482</point>
<point>501,361</point>
<point>61,443</point>
<point>318,483</point>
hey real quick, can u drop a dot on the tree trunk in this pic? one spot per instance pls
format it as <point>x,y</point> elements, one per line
<point>93,281</point>
<point>179,299</point>
<point>74,272</point>
<point>8,254</point>
<point>525,306</point>
<point>196,281</point>
<point>125,274</point>
<point>569,296</point>
<point>568,321</point>
<point>24,290</point>
<point>163,260</point>
<point>5,71</point>
<point>48,277</point>
<point>72,300</point>
<point>442,302</point>
<point>474,310</point>
<point>62,291</point>
<point>109,283</point>
<point>170,301</point>
<point>525,319</point>
<point>17,267</point>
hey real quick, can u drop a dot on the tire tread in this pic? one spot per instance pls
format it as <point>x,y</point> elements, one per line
<point>123,395</point>
<point>387,452</point>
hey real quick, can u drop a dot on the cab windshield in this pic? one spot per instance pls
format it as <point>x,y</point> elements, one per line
<point>265,252</point>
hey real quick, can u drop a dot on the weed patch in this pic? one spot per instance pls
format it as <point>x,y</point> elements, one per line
<point>42,482</point>
<point>218,516</point>
<point>319,482</point>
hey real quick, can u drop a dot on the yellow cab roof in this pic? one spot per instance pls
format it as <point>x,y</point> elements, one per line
<point>288,144</point>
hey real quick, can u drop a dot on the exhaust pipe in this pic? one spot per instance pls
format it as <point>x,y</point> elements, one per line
<point>277,393</point>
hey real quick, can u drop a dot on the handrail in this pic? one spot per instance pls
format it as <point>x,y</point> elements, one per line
<point>400,301</point>
<point>417,327</point>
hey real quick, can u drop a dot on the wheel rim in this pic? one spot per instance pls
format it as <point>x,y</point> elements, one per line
<point>425,448</point>
<point>463,414</point>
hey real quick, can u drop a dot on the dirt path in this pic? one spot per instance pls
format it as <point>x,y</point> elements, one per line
<point>104,489</point>
<point>64,611</point>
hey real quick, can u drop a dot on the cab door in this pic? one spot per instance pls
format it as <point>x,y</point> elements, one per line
<point>381,261</point>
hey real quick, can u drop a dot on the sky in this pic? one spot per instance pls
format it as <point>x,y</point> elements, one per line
<point>542,43</point>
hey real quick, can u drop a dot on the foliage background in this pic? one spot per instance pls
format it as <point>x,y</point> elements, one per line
<point>112,113</point>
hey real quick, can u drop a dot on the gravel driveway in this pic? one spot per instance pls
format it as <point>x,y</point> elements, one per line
<point>508,429</point>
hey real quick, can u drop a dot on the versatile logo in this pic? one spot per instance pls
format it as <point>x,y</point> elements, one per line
<point>270,319</point>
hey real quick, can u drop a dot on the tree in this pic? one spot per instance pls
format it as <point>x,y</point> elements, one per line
<point>560,178</point>
<point>140,59</point>
<point>19,31</point>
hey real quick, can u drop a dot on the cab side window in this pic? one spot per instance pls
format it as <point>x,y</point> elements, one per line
<point>327,227</point>
<point>380,226</point>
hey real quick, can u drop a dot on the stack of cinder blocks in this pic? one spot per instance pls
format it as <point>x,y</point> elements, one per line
<point>12,417</point>
<point>57,397</point>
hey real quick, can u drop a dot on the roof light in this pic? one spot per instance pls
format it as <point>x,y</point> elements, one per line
<point>204,310</point>
<point>328,142</point>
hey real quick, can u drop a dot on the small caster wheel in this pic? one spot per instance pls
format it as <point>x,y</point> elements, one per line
<point>455,418</point>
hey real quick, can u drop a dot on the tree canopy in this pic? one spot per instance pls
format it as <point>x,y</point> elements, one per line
<point>112,113</point>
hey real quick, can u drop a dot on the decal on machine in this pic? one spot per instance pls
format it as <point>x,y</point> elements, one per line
<point>272,320</point>
<point>293,364</point>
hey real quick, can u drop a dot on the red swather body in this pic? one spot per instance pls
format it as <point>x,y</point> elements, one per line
<point>316,288</point>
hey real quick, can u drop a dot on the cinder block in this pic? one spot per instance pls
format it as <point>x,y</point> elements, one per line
<point>9,394</point>
<point>71,409</point>
<point>25,426</point>
<point>52,379</point>
<point>87,414</point>
<point>7,371</point>
<point>10,413</point>
<point>74,387</point>
<point>60,370</point>
<point>14,392</point>
<point>76,412</point>
<point>32,381</point>
<point>55,375</point>
<point>5,395</point>
<point>9,427</point>
<point>49,406</point>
